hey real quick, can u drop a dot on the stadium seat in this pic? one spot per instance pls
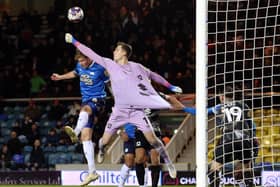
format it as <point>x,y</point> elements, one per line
<point>2,140</point>
<point>61,149</point>
<point>18,109</point>
<point>63,158</point>
<point>49,149</point>
<point>269,158</point>
<point>7,109</point>
<point>44,131</point>
<point>3,124</point>
<point>258,113</point>
<point>71,148</point>
<point>275,130</point>
<point>266,120</point>
<point>5,132</point>
<point>26,158</point>
<point>27,149</point>
<point>266,140</point>
<point>43,139</point>
<point>11,116</point>
<point>6,138</point>
<point>77,158</point>
<point>20,116</point>
<point>276,139</point>
<point>52,159</point>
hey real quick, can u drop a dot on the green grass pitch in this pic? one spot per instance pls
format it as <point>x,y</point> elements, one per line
<point>74,186</point>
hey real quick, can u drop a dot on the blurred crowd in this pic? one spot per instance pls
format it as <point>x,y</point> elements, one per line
<point>29,134</point>
<point>160,31</point>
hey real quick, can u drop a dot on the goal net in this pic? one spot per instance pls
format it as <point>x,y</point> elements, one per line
<point>243,72</point>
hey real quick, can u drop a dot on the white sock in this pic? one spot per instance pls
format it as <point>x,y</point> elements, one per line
<point>124,173</point>
<point>82,122</point>
<point>89,153</point>
<point>146,176</point>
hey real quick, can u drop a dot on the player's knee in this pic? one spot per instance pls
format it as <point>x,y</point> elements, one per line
<point>129,159</point>
<point>86,109</point>
<point>86,134</point>
<point>156,143</point>
<point>139,159</point>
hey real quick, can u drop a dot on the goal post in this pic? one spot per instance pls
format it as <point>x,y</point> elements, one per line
<point>201,92</point>
<point>238,45</point>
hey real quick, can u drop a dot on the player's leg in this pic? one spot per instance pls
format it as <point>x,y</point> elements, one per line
<point>213,173</point>
<point>103,141</point>
<point>140,159</point>
<point>88,148</point>
<point>215,165</point>
<point>129,150</point>
<point>83,119</point>
<point>117,119</point>
<point>159,147</point>
<point>243,153</point>
<point>143,124</point>
<point>155,167</point>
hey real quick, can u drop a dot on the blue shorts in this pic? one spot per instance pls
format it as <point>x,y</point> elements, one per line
<point>129,146</point>
<point>96,106</point>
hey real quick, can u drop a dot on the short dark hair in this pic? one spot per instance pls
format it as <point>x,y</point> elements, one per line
<point>126,47</point>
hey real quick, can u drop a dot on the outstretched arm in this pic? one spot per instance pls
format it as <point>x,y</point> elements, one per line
<point>210,110</point>
<point>85,50</point>
<point>159,79</point>
<point>69,75</point>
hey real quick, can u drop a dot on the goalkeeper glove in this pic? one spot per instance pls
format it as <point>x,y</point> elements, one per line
<point>175,89</point>
<point>70,39</point>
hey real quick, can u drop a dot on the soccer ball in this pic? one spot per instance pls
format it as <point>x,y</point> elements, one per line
<point>75,14</point>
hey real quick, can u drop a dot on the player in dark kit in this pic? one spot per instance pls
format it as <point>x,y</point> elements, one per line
<point>143,148</point>
<point>237,142</point>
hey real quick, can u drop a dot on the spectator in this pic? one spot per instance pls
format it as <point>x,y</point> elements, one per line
<point>64,139</point>
<point>32,112</point>
<point>37,159</point>
<point>165,140</point>
<point>37,84</point>
<point>14,145</point>
<point>34,133</point>
<point>5,157</point>
<point>52,138</point>
<point>57,110</point>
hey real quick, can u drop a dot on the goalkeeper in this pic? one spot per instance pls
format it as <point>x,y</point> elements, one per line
<point>238,142</point>
<point>133,93</point>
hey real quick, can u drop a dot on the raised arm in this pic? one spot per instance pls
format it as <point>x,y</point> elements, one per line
<point>69,75</point>
<point>85,50</point>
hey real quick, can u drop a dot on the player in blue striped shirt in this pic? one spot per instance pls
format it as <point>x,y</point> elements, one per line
<point>92,85</point>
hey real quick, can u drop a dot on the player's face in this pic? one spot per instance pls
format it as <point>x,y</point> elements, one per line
<point>119,53</point>
<point>222,98</point>
<point>85,62</point>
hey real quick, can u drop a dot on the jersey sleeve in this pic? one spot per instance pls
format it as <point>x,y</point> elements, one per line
<point>92,55</point>
<point>105,76</point>
<point>156,77</point>
<point>77,69</point>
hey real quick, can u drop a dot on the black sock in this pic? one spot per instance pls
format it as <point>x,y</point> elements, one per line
<point>248,178</point>
<point>214,178</point>
<point>140,173</point>
<point>155,174</point>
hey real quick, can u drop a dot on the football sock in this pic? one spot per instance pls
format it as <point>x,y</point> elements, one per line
<point>158,145</point>
<point>89,154</point>
<point>82,122</point>
<point>155,170</point>
<point>124,174</point>
<point>140,173</point>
